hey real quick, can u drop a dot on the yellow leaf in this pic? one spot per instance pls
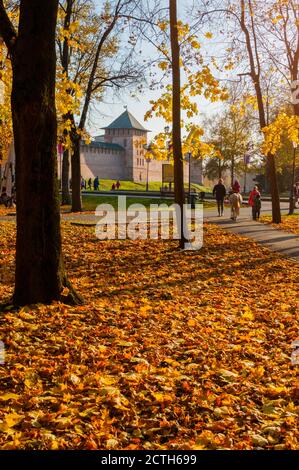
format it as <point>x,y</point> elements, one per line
<point>12,420</point>
<point>163,397</point>
<point>9,396</point>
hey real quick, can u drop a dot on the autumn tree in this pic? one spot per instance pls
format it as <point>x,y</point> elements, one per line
<point>40,275</point>
<point>87,43</point>
<point>230,134</point>
<point>67,112</point>
<point>282,49</point>
<point>180,62</point>
<point>240,16</point>
<point>176,115</point>
<point>5,105</point>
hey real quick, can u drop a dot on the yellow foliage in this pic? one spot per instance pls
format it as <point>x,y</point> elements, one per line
<point>5,107</point>
<point>283,125</point>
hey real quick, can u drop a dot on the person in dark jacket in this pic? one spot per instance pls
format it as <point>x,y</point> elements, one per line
<point>220,192</point>
<point>256,208</point>
<point>96,183</point>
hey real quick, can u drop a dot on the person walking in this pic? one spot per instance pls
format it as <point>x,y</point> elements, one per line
<point>117,184</point>
<point>255,192</point>
<point>220,192</point>
<point>236,187</point>
<point>256,208</point>
<point>89,184</point>
<point>96,183</point>
<point>235,200</point>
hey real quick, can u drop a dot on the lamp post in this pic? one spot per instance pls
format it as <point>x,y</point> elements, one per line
<point>148,160</point>
<point>148,148</point>
<point>189,178</point>
<point>292,195</point>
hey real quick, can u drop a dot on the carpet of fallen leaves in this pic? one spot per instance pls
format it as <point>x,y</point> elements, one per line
<point>172,350</point>
<point>289,223</point>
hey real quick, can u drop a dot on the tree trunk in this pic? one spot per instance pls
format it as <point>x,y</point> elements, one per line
<point>66,197</point>
<point>271,174</point>
<point>40,275</point>
<point>255,74</point>
<point>176,118</point>
<point>76,176</point>
<point>276,212</point>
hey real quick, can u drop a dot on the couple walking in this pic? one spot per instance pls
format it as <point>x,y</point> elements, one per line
<point>235,198</point>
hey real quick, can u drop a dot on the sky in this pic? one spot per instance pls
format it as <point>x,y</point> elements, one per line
<point>112,106</point>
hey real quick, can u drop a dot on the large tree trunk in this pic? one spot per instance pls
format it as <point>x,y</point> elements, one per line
<point>76,176</point>
<point>65,197</point>
<point>176,118</point>
<point>40,275</point>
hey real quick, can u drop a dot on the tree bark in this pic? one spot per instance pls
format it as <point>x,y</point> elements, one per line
<point>76,176</point>
<point>40,276</point>
<point>66,197</point>
<point>179,190</point>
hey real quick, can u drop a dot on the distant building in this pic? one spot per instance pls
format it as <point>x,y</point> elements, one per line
<point>119,154</point>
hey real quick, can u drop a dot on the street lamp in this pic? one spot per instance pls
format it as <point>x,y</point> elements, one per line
<point>292,194</point>
<point>148,160</point>
<point>189,179</point>
<point>148,148</point>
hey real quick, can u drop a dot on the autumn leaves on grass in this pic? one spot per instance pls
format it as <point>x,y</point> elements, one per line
<point>171,351</point>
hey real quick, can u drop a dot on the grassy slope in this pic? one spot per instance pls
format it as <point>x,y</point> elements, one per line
<point>91,202</point>
<point>105,185</point>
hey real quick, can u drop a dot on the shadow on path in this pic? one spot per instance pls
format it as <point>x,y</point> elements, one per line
<point>285,243</point>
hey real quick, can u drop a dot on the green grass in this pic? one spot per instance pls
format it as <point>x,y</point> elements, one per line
<point>91,202</point>
<point>296,214</point>
<point>106,185</point>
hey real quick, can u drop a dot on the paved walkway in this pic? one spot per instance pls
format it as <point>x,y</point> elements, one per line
<point>285,243</point>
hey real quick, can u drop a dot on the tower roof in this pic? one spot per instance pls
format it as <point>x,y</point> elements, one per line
<point>126,121</point>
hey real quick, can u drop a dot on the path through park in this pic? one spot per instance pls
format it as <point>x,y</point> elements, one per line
<point>285,243</point>
<point>282,242</point>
